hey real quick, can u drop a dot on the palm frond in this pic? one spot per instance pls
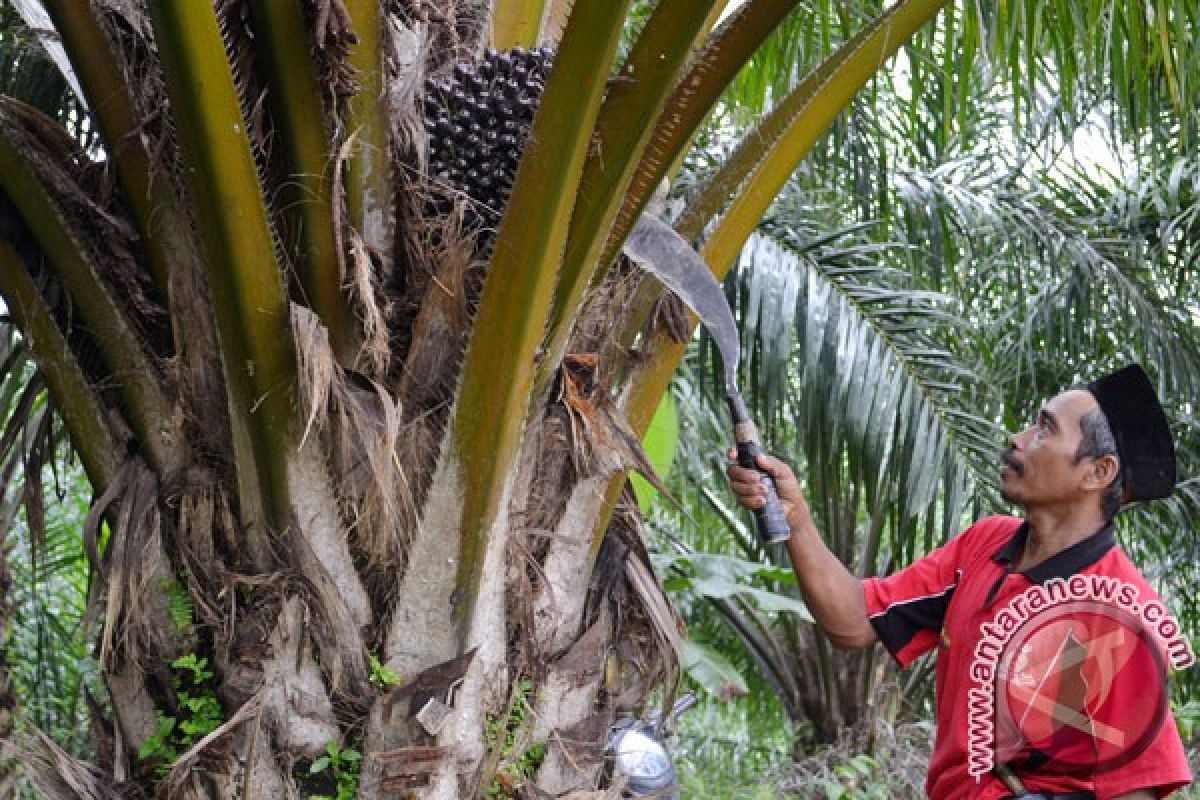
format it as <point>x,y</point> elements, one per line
<point>1038,260</point>
<point>50,584</point>
<point>871,362</point>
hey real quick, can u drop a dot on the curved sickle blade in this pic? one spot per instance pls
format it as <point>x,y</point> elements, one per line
<point>655,247</point>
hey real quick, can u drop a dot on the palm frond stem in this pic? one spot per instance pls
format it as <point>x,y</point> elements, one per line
<point>73,396</point>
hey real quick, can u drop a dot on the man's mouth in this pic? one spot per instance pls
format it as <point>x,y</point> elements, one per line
<point>1007,461</point>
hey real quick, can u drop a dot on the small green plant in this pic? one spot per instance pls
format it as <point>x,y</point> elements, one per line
<point>382,676</point>
<point>856,780</point>
<point>193,688</point>
<point>160,746</point>
<point>179,605</point>
<point>505,734</point>
<point>1187,719</point>
<point>530,759</point>
<point>342,766</point>
<point>200,714</point>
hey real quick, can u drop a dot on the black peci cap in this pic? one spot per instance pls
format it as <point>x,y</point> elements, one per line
<point>1144,443</point>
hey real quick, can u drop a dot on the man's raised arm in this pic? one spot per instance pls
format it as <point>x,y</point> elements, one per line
<point>833,594</point>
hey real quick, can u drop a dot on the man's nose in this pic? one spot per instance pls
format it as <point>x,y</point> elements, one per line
<point>1016,441</point>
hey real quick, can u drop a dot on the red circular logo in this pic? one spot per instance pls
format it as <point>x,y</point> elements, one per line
<point>1080,689</point>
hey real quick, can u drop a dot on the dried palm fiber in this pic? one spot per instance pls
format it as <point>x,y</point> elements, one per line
<point>648,631</point>
<point>332,32</point>
<point>130,33</point>
<point>90,211</point>
<point>57,775</point>
<point>456,29</point>
<point>126,601</point>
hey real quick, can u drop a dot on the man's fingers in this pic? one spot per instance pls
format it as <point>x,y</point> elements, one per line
<point>740,473</point>
<point>748,484</point>
<point>749,490</point>
<point>764,461</point>
<point>769,464</point>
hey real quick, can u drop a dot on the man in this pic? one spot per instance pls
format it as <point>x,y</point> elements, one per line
<point>1052,648</point>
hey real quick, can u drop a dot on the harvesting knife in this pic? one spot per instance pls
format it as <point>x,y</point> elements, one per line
<point>657,248</point>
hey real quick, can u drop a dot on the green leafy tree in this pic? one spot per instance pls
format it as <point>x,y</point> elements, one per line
<point>993,222</point>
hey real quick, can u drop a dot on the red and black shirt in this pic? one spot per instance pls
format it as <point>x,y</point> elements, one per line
<point>1058,671</point>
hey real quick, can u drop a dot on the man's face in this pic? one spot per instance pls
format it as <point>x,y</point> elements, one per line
<point>1039,469</point>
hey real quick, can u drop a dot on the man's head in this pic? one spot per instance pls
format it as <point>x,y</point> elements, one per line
<point>1107,443</point>
<point>1066,459</point>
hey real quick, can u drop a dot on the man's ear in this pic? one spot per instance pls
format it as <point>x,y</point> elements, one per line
<point>1103,472</point>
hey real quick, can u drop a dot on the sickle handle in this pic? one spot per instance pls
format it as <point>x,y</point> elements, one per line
<point>770,519</point>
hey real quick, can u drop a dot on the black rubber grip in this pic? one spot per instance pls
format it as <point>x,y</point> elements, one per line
<point>771,521</point>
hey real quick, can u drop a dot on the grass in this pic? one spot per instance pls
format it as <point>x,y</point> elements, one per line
<point>738,750</point>
<point>730,750</point>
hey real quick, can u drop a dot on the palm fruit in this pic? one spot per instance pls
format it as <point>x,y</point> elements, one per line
<point>478,119</point>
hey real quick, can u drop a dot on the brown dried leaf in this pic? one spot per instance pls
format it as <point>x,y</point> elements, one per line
<point>57,775</point>
<point>604,442</point>
<point>316,367</point>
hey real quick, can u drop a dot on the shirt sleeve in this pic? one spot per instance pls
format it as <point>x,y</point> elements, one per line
<point>907,608</point>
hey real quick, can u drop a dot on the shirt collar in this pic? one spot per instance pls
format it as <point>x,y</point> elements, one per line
<point>1075,558</point>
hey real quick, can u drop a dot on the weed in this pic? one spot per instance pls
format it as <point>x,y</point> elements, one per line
<point>342,766</point>
<point>382,676</point>
<point>506,735</point>
<point>1187,719</point>
<point>856,779</point>
<point>200,714</point>
<point>179,605</point>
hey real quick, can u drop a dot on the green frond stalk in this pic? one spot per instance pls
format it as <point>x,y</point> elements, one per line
<point>135,373</point>
<point>87,48</point>
<point>369,194</point>
<point>784,118</point>
<point>813,107</point>
<point>73,396</point>
<point>516,23</point>
<point>156,207</point>
<point>499,366</point>
<point>240,258</point>
<point>712,70</point>
<point>855,67</point>
<point>308,189</point>
<point>622,132</point>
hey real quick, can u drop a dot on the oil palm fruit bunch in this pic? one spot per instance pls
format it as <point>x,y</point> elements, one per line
<point>478,118</point>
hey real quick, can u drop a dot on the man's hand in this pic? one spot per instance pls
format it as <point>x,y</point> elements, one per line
<point>833,595</point>
<point>748,486</point>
